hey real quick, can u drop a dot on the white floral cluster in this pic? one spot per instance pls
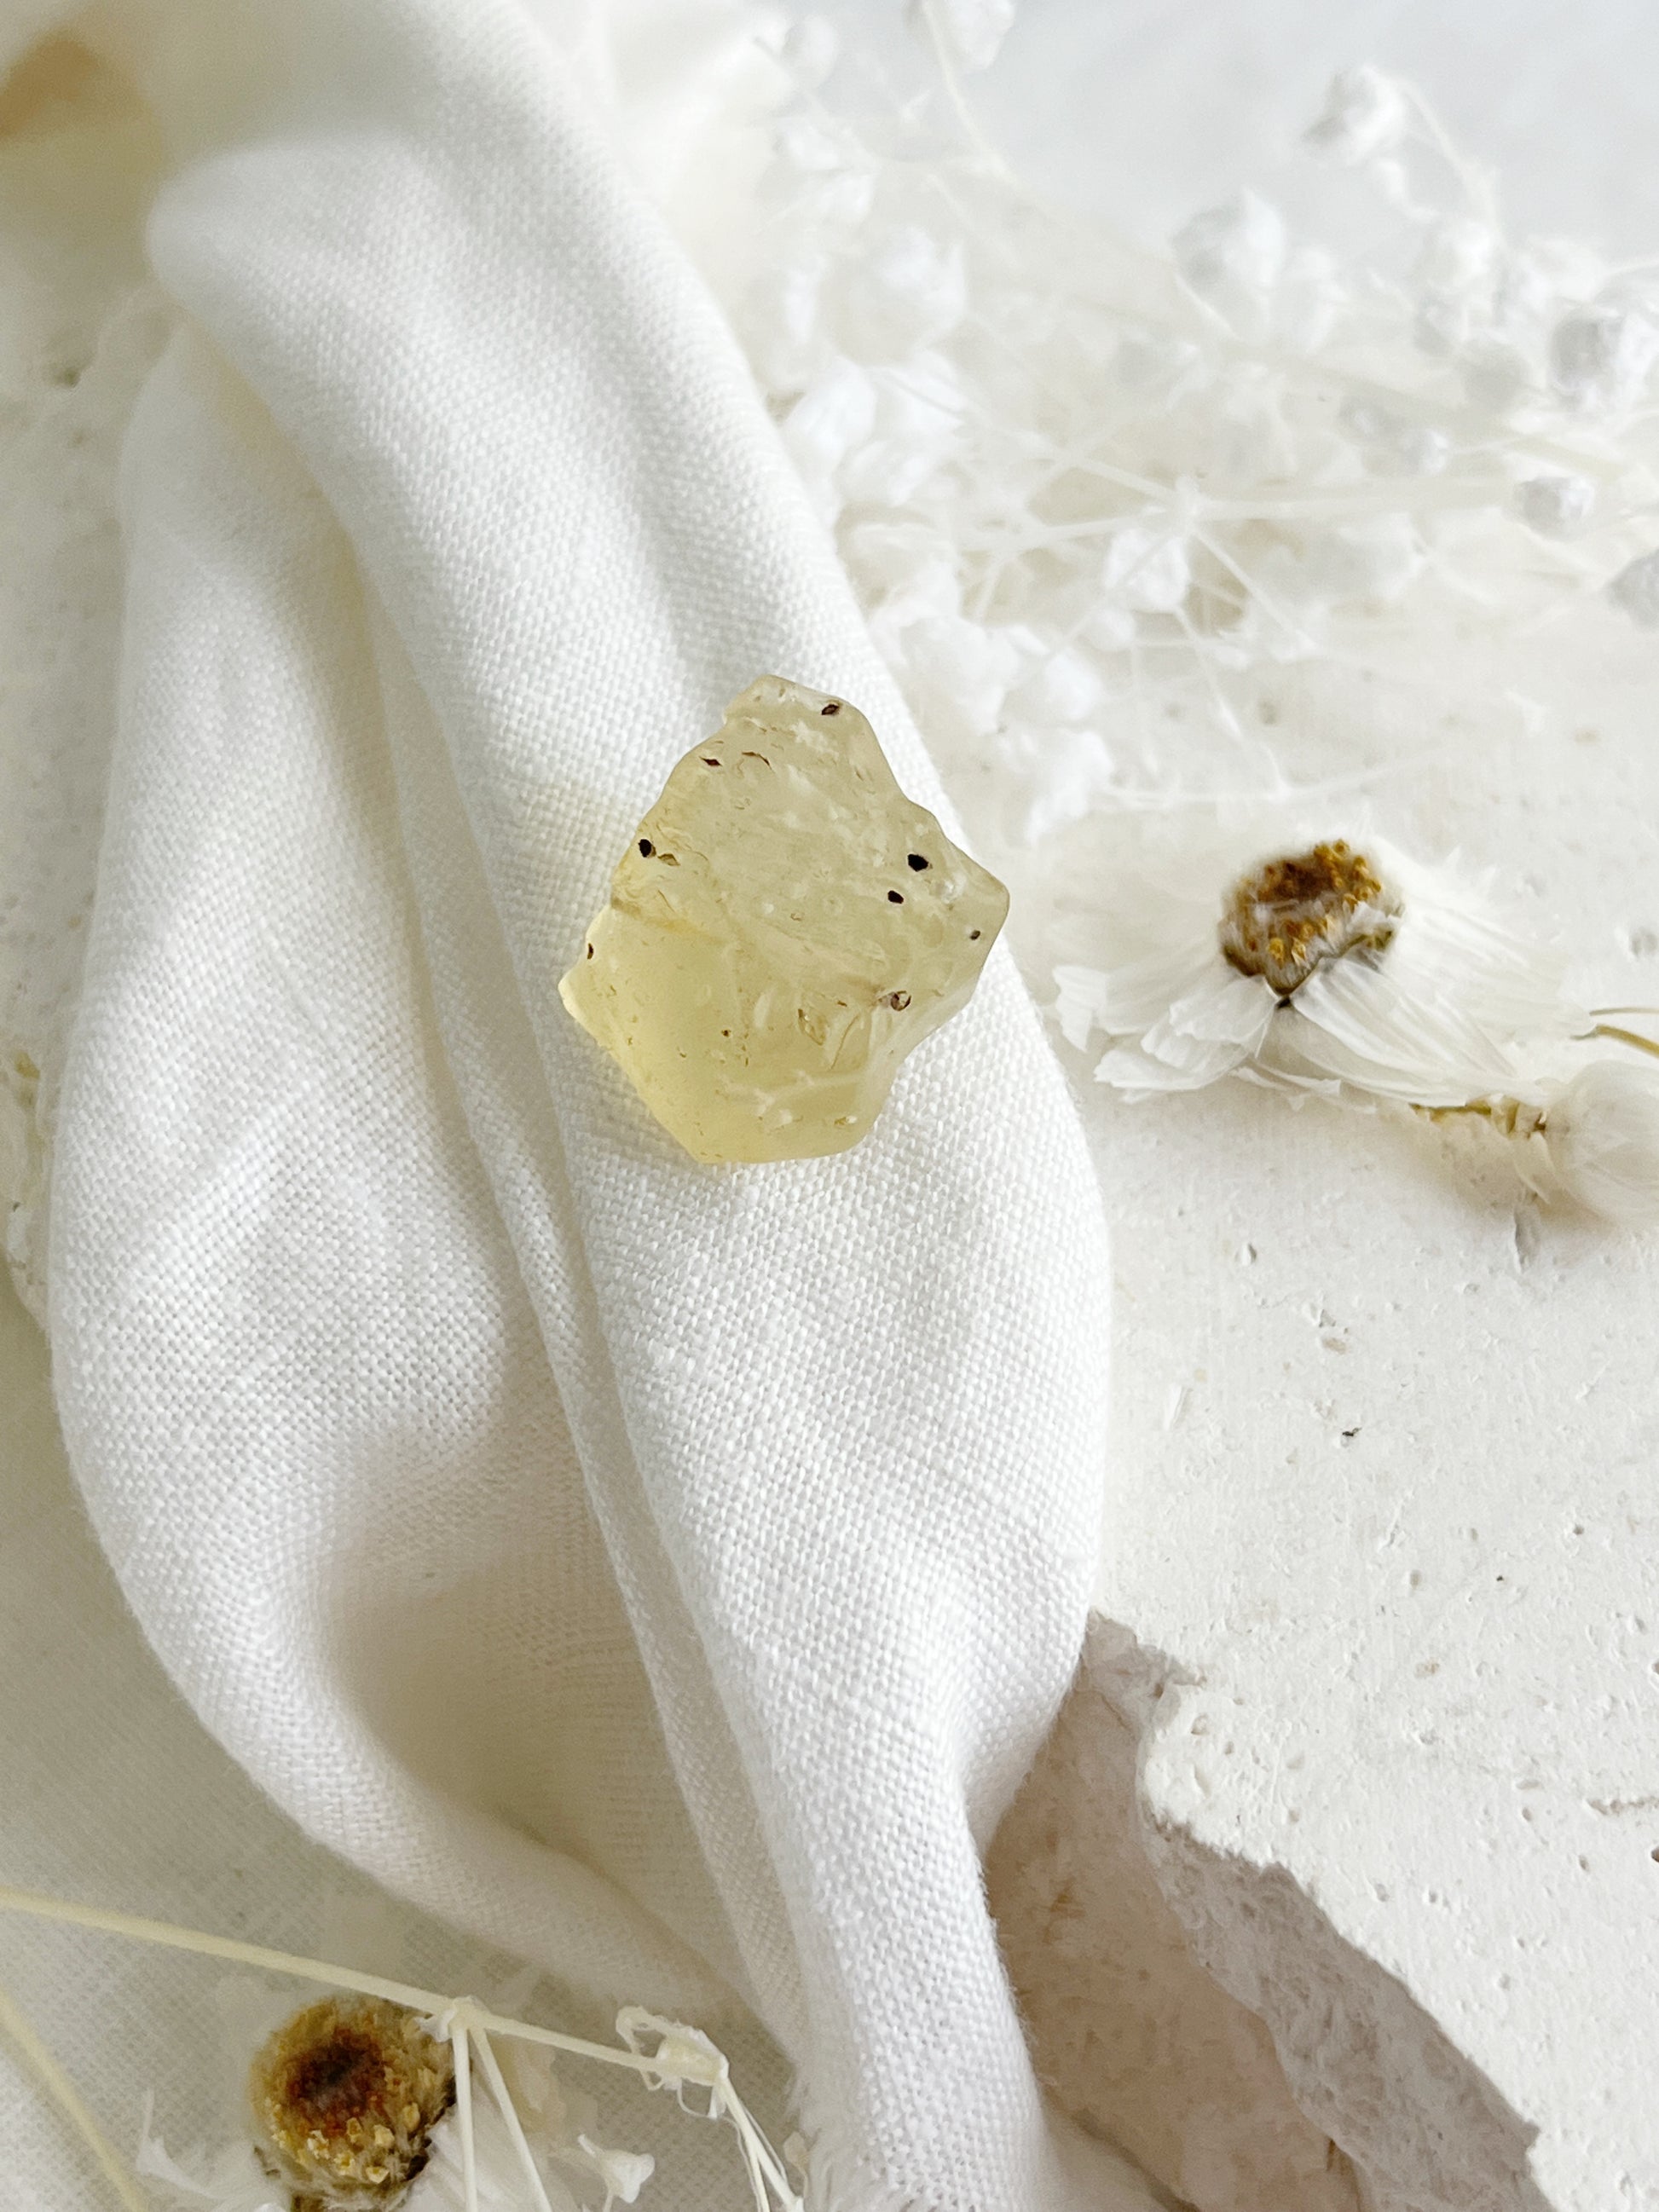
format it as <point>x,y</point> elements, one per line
<point>1093,498</point>
<point>1090,495</point>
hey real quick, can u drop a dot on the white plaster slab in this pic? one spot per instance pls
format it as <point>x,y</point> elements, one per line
<point>1385,1495</point>
<point>1407,1799</point>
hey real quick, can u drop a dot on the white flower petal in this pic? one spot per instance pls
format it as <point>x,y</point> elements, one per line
<point>1078,1006</point>
<point>1165,1062</point>
<point>1208,1034</point>
<point>1353,1020</point>
<point>1228,1008</point>
<point>1142,991</point>
<point>1453,944</point>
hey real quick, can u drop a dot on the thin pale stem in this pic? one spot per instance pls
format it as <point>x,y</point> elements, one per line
<point>509,2113</point>
<point>461,2044</point>
<point>64,2093</point>
<point>313,1970</point>
<point>767,2175</point>
<point>1627,1036</point>
<point>1223,708</point>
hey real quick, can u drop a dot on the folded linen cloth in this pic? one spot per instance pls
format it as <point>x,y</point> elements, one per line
<point>664,1571</point>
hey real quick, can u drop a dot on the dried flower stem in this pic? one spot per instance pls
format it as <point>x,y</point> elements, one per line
<point>509,2113</point>
<point>1503,1113</point>
<point>461,2045</point>
<point>473,2015</point>
<point>1627,1036</point>
<point>64,2095</point>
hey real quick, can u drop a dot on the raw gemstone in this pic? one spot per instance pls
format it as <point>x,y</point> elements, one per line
<point>784,928</point>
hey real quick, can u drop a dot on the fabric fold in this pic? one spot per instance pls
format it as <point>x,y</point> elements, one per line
<point>666,1571</point>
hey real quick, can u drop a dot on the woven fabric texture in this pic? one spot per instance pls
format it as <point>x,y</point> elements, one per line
<point>662,1571</point>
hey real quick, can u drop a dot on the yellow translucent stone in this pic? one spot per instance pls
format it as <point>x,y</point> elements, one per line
<point>784,928</point>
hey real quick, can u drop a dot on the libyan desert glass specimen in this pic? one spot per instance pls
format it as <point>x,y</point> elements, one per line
<point>786,926</point>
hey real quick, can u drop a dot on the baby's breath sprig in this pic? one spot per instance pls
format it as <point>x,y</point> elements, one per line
<point>1094,496</point>
<point>664,2054</point>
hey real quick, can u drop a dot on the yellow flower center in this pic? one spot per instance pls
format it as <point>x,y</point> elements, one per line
<point>1286,918</point>
<point>346,2094</point>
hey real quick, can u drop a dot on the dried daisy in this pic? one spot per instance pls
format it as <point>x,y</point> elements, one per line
<point>345,2096</point>
<point>1333,965</point>
<point>1342,968</point>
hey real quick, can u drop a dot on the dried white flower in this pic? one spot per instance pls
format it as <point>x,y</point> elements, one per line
<point>1601,1132</point>
<point>1600,357</point>
<point>624,2172</point>
<point>1365,114</point>
<point>1458,256</point>
<point>1635,590</point>
<point>808,50</point>
<point>1146,572</point>
<point>971,32</point>
<point>1372,562</point>
<point>1338,966</point>
<point>1556,506</point>
<point>1392,443</point>
<point>1065,775</point>
<point>906,289</point>
<point>1233,257</point>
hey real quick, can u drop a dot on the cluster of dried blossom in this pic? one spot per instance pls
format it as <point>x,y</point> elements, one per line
<point>1096,498</point>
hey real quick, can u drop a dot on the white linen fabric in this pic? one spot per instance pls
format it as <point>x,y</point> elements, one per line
<point>663,1571</point>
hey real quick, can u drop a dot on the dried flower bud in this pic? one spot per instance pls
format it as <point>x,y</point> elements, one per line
<point>1601,356</point>
<point>1288,917</point>
<point>1635,591</point>
<point>972,30</point>
<point>1365,114</point>
<point>345,2096</point>
<point>1603,1135</point>
<point>1555,506</point>
<point>1233,257</point>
